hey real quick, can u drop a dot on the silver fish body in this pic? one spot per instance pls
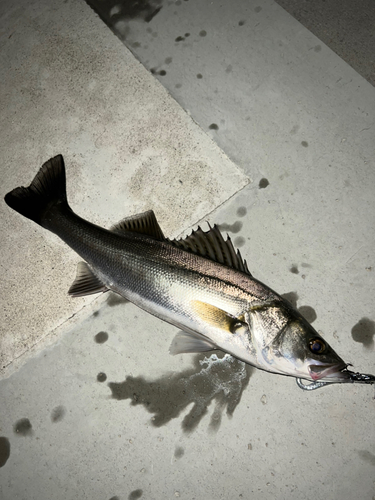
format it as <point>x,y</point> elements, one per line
<point>198,284</point>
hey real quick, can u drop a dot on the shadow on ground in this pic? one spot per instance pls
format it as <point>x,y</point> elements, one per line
<point>216,377</point>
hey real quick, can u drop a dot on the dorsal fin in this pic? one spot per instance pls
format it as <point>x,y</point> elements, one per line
<point>211,245</point>
<point>144,223</point>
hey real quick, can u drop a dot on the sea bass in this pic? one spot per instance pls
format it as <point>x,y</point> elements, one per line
<point>199,284</point>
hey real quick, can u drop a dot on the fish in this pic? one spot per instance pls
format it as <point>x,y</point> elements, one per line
<point>199,283</point>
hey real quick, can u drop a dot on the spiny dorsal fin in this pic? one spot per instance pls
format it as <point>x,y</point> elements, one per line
<point>85,283</point>
<point>211,245</point>
<point>144,223</point>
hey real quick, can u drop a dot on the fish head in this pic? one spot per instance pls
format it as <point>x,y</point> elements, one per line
<point>298,350</point>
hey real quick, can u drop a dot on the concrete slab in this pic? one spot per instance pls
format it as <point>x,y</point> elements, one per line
<point>69,86</point>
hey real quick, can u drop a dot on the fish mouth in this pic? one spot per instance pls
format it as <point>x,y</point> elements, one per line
<point>334,372</point>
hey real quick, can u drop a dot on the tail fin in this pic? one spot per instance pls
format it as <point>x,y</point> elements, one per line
<point>47,189</point>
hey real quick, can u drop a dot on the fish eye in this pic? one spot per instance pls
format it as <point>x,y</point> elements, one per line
<point>317,346</point>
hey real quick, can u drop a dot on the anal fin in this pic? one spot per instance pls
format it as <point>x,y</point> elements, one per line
<point>86,283</point>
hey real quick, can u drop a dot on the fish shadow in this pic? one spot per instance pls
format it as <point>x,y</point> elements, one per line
<point>218,378</point>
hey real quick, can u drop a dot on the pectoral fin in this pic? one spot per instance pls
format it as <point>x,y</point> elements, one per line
<point>218,318</point>
<point>85,283</point>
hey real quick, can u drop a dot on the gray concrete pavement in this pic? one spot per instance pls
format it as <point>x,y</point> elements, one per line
<point>105,412</point>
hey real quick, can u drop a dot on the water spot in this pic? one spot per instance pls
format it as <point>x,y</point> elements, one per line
<point>241,23</point>
<point>199,76</point>
<point>162,72</point>
<point>179,39</point>
<point>239,242</point>
<point>4,450</point>
<point>308,313</point>
<point>364,332</point>
<point>135,494</point>
<point>115,498</point>
<point>23,427</point>
<point>203,33</point>
<point>263,399</point>
<point>101,337</point>
<point>114,300</point>
<point>213,378</point>
<point>305,144</point>
<point>57,414</point>
<point>153,71</point>
<point>317,48</point>
<point>263,183</point>
<point>257,9</point>
<point>96,314</point>
<point>367,456</point>
<point>241,211</point>
<point>291,297</point>
<point>294,130</point>
<point>228,69</point>
<point>213,126</point>
<point>101,377</point>
<point>178,85</point>
<point>145,10</point>
<point>168,60</point>
<point>232,228</point>
<point>294,269</point>
<point>179,452</point>
<point>136,45</point>
<point>187,35</point>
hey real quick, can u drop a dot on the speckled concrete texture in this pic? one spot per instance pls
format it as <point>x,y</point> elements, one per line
<point>69,86</point>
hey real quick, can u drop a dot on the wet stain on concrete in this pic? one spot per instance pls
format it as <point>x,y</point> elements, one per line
<point>23,427</point>
<point>308,313</point>
<point>4,450</point>
<point>199,76</point>
<point>217,378</point>
<point>96,314</point>
<point>213,126</point>
<point>241,23</point>
<point>294,269</point>
<point>239,242</point>
<point>101,377</point>
<point>364,332</point>
<point>263,183</point>
<point>232,228</point>
<point>114,299</point>
<point>179,39</point>
<point>145,10</point>
<point>135,494</point>
<point>203,33</point>
<point>241,211</point>
<point>178,85</point>
<point>179,452</point>
<point>58,414</point>
<point>367,456</point>
<point>291,297</point>
<point>162,72</point>
<point>114,498</point>
<point>101,337</point>
<point>305,144</point>
<point>168,60</point>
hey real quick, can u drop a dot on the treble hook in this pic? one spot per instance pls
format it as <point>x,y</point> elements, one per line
<point>310,387</point>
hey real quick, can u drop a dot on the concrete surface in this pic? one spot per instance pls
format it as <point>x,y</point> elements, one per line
<point>68,86</point>
<point>346,27</point>
<point>105,412</point>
